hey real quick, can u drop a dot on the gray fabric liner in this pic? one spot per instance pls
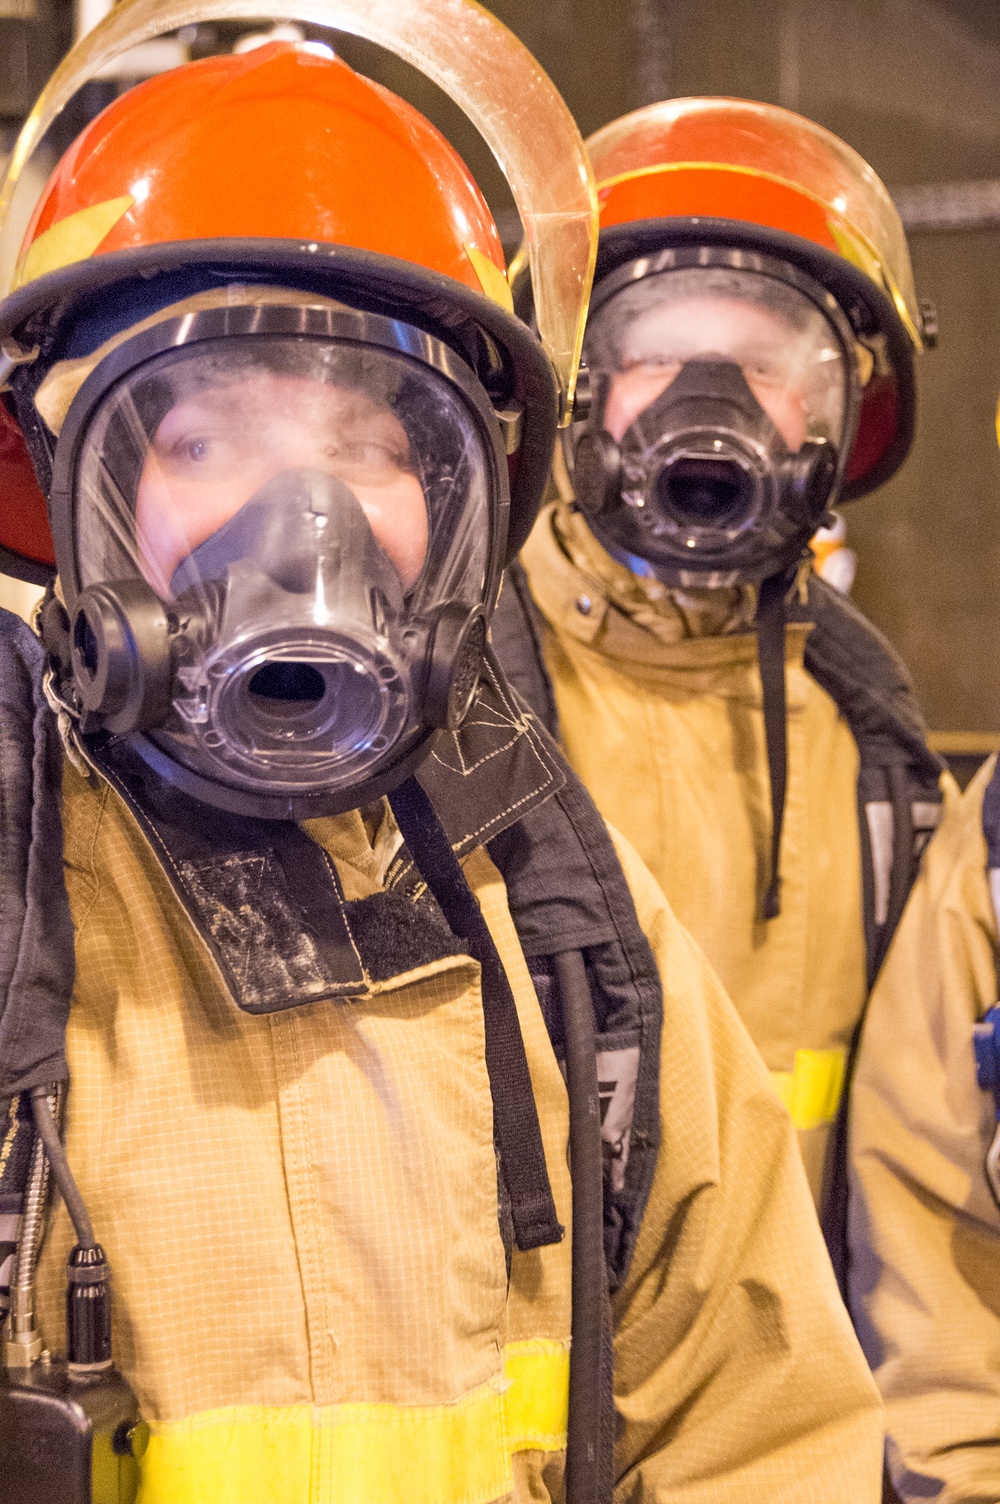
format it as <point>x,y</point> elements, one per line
<point>37,965</point>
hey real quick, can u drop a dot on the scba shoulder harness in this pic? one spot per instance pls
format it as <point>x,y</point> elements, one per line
<point>267,902</point>
<point>899,797</point>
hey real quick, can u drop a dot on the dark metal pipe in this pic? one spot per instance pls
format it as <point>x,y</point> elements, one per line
<point>23,1342</point>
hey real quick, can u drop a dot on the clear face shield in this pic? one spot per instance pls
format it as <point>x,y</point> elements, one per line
<point>724,401</point>
<point>286,547</point>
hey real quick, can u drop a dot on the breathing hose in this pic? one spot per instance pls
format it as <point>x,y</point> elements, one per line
<point>48,1132</point>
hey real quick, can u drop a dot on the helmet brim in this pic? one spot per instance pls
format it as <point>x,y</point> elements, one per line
<point>505,356</point>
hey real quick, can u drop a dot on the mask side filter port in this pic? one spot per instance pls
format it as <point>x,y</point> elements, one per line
<point>120,653</point>
<point>454,664</point>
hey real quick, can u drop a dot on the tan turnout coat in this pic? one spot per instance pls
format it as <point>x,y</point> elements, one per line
<point>925,1230</point>
<point>312,1302</point>
<point>660,710</point>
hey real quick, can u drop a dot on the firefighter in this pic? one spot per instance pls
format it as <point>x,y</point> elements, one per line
<point>924,1145</point>
<point>750,350</point>
<point>332,917</point>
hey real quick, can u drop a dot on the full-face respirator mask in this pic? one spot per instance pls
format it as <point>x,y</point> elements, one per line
<point>724,399</point>
<point>286,528</point>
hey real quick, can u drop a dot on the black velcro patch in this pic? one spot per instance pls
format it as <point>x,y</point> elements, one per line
<point>396,934</point>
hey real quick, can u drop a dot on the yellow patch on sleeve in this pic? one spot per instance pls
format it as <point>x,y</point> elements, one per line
<point>491,278</point>
<point>537,1401</point>
<point>73,239</point>
<point>812,1091</point>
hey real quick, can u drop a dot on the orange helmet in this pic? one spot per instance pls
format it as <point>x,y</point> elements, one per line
<point>753,177</point>
<point>280,165</point>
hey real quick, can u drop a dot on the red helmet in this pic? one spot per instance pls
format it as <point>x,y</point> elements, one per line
<point>283,165</point>
<point>734,173</point>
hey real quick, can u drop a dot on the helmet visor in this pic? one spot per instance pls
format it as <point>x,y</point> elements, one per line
<point>790,355</point>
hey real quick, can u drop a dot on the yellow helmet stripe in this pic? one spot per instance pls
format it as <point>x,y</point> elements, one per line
<point>491,278</point>
<point>73,239</point>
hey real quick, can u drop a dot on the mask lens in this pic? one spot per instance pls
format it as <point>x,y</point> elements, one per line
<point>191,438</point>
<point>789,354</point>
<point>306,508</point>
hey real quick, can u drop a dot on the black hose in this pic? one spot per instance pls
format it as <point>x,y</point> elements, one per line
<point>901,871</point>
<point>48,1132</point>
<point>771,661</point>
<point>585,1466</point>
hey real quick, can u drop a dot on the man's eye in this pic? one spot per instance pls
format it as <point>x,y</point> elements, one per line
<point>769,373</point>
<point>651,365</point>
<point>188,451</point>
<point>369,455</point>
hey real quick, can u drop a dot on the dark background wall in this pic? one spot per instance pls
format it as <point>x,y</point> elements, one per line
<point>914,85</point>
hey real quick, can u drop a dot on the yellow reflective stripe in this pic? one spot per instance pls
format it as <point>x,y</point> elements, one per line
<point>379,1454</point>
<point>537,1402</point>
<point>811,1091</point>
<point>338,1454</point>
<point>73,239</point>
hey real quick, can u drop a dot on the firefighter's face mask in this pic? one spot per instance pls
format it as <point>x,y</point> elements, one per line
<point>286,548</point>
<point>724,401</point>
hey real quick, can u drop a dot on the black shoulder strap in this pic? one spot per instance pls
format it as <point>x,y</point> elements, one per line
<point>36,931</point>
<point>899,805</point>
<point>567,892</point>
<point>898,788</point>
<point>862,671</point>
